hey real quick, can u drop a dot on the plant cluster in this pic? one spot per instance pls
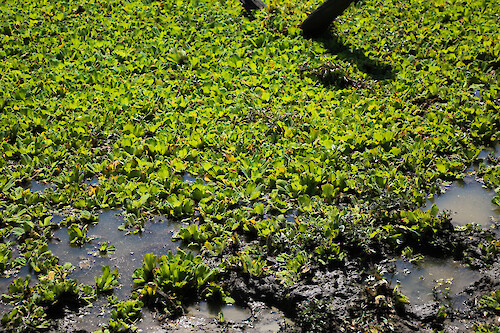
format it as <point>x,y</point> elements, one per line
<point>305,153</point>
<point>165,281</point>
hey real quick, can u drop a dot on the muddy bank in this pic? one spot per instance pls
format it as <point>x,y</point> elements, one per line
<point>359,297</point>
<point>256,317</point>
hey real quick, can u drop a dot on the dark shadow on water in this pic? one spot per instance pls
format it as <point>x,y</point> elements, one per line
<point>374,68</point>
<point>291,215</point>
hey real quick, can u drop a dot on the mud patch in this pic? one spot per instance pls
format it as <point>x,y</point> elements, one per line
<point>88,318</point>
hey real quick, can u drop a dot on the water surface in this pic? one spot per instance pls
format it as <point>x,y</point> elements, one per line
<point>129,253</point>
<point>468,201</point>
<point>428,281</point>
<point>229,312</point>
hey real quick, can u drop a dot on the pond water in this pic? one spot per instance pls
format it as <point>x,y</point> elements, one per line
<point>4,284</point>
<point>468,201</point>
<point>92,181</point>
<point>429,280</point>
<point>36,186</point>
<point>188,178</point>
<point>88,318</point>
<point>495,151</point>
<point>230,312</point>
<point>129,253</point>
<point>256,318</point>
<point>291,215</point>
<point>199,317</point>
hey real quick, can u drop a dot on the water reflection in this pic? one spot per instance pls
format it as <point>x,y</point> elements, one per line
<point>129,253</point>
<point>468,201</point>
<point>495,151</point>
<point>188,178</point>
<point>257,317</point>
<point>291,215</point>
<point>36,186</point>
<point>4,284</point>
<point>89,318</point>
<point>428,281</point>
<point>94,181</point>
<point>230,312</point>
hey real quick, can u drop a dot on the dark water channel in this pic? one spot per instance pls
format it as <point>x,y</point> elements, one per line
<point>36,186</point>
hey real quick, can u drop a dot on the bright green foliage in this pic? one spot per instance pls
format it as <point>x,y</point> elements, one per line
<point>107,281</point>
<point>310,150</point>
<point>491,302</point>
<point>194,233</point>
<point>78,234</point>
<point>5,257</point>
<point>31,302</point>
<point>490,249</point>
<point>170,278</point>
<point>146,273</point>
<point>18,321</point>
<point>485,328</point>
<point>123,316</point>
<point>106,248</point>
<point>491,176</point>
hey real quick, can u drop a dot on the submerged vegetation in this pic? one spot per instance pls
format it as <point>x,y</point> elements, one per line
<point>307,157</point>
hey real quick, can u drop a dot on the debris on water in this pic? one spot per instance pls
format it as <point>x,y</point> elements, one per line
<point>127,256</point>
<point>431,280</point>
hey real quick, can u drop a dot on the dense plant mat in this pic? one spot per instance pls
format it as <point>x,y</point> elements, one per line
<point>310,158</point>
